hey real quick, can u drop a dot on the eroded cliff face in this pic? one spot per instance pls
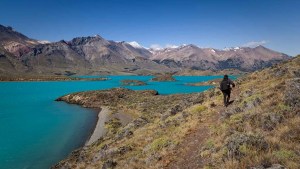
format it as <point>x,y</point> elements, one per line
<point>259,129</point>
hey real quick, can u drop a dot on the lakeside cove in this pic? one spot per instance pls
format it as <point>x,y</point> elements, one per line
<point>31,103</point>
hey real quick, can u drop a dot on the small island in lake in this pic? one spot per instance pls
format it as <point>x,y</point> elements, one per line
<point>128,82</point>
<point>164,77</point>
<point>214,82</point>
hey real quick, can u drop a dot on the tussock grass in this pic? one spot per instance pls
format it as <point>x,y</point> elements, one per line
<point>264,132</point>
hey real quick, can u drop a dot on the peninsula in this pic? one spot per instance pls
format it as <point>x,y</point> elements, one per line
<point>259,129</point>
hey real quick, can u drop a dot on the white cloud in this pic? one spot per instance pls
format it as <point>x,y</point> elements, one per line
<point>158,46</point>
<point>44,41</point>
<point>255,43</point>
<point>155,47</point>
<point>171,46</point>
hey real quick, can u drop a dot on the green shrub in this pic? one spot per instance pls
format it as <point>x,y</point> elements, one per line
<point>199,109</point>
<point>113,125</point>
<point>283,155</point>
<point>159,143</point>
<point>284,107</point>
<point>209,144</point>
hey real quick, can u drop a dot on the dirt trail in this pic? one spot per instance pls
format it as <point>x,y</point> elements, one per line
<point>187,155</point>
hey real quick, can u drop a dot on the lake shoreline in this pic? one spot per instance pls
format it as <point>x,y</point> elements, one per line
<point>143,104</point>
<point>49,79</point>
<point>99,129</point>
<point>73,125</point>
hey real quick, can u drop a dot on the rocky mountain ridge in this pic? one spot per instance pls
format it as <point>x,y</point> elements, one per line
<point>82,55</point>
<point>96,55</point>
<point>241,58</point>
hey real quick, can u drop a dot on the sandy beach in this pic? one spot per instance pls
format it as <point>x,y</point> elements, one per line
<point>99,130</point>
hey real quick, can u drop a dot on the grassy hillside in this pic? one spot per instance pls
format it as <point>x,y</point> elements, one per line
<point>259,129</point>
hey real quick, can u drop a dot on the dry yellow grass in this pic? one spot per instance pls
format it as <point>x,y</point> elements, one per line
<point>259,128</point>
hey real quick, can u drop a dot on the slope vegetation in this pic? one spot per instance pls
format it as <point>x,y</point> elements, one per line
<point>259,129</point>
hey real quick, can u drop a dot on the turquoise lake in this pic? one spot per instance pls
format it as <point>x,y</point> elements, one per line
<point>37,132</point>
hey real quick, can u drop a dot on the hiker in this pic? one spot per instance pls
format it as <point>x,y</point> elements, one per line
<point>225,87</point>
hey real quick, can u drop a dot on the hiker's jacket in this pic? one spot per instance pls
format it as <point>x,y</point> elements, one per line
<point>225,84</point>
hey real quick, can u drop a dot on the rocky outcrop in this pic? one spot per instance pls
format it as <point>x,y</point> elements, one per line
<point>15,42</point>
<point>17,49</point>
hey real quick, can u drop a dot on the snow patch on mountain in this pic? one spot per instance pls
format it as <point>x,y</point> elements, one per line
<point>232,48</point>
<point>43,42</point>
<point>135,44</point>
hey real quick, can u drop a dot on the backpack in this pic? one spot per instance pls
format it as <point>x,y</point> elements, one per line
<point>225,85</point>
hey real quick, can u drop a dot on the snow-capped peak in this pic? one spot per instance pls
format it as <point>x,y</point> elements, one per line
<point>168,47</point>
<point>183,45</point>
<point>135,44</point>
<point>232,48</point>
<point>227,49</point>
<point>43,41</point>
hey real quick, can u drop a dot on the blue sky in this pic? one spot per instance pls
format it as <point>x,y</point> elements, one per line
<point>206,23</point>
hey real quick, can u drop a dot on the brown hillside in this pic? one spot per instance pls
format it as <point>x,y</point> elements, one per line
<point>259,129</point>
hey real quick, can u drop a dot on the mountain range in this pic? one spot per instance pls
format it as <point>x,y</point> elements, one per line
<point>96,55</point>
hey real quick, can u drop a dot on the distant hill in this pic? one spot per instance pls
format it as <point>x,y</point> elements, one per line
<point>241,58</point>
<point>96,55</point>
<point>82,55</point>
